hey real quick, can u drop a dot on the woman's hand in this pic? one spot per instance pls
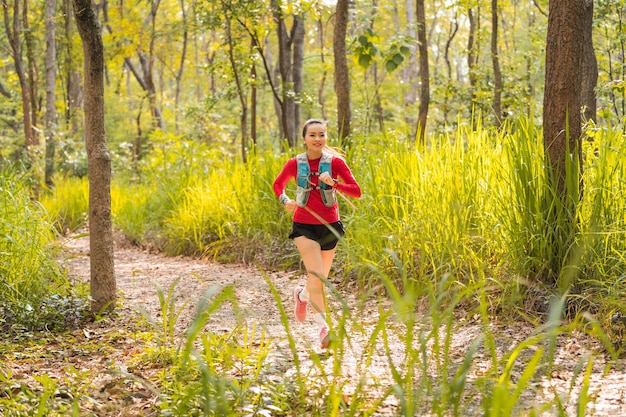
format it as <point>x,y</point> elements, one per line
<point>327,179</point>
<point>290,206</point>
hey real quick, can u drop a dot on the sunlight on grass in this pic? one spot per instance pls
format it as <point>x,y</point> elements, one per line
<point>30,277</point>
<point>452,236</point>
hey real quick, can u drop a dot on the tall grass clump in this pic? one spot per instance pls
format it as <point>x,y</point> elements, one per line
<point>426,204</point>
<point>144,197</point>
<point>213,374</point>
<point>67,203</point>
<point>474,201</point>
<point>30,276</point>
<point>570,244</point>
<point>231,206</point>
<point>452,367</point>
<point>603,264</point>
<point>540,225</point>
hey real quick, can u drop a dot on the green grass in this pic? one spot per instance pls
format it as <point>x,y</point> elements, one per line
<point>469,225</point>
<point>34,291</point>
<point>67,203</point>
<point>477,201</point>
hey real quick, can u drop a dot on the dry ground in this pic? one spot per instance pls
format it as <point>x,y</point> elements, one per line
<point>139,272</point>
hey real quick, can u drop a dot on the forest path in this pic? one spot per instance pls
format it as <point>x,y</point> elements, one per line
<point>138,273</point>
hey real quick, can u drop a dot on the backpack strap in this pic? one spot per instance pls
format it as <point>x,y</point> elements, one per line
<point>303,180</point>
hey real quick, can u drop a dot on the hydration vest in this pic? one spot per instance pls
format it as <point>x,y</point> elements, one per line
<point>305,185</point>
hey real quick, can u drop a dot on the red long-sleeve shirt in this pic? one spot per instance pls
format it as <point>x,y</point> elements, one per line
<point>339,170</point>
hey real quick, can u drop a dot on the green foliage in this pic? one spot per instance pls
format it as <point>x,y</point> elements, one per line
<point>421,368</point>
<point>478,201</point>
<point>365,49</point>
<point>67,203</point>
<point>34,292</point>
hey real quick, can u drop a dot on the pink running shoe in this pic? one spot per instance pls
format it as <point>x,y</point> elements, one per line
<point>299,309</point>
<point>324,337</point>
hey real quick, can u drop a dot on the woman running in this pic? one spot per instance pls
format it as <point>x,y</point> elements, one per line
<point>320,173</point>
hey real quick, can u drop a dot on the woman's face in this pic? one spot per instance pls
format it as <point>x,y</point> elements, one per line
<point>315,137</point>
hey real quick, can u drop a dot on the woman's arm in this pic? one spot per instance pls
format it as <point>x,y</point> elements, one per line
<point>348,185</point>
<point>288,172</point>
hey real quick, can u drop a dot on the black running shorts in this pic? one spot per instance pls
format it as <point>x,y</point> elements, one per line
<point>320,233</point>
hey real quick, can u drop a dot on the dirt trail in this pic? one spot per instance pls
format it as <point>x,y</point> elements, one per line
<point>138,272</point>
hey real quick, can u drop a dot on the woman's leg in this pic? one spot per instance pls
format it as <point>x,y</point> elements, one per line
<point>317,263</point>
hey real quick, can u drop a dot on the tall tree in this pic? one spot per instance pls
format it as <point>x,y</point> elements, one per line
<point>342,75</point>
<point>495,60</point>
<point>562,132</point>
<point>563,80</point>
<point>409,72</point>
<point>290,66</point>
<point>424,71</point>
<point>147,66</point>
<point>181,67</point>
<point>454,28</point>
<point>13,27</point>
<point>589,68</point>
<point>51,111</point>
<point>33,71</point>
<point>472,55</point>
<point>241,92</point>
<point>103,286</point>
<point>320,90</point>
<point>71,73</point>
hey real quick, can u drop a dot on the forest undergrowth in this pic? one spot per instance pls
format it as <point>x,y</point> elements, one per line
<point>444,300</point>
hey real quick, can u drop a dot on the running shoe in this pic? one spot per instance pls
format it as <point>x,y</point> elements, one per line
<point>299,309</point>
<point>324,337</point>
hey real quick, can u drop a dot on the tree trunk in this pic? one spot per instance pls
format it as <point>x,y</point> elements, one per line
<point>33,73</point>
<point>51,112</point>
<point>284,63</point>
<point>471,49</point>
<point>147,65</point>
<point>103,286</point>
<point>253,105</point>
<point>473,14</point>
<point>297,44</point>
<point>424,72</point>
<point>73,90</point>
<point>410,73</point>
<point>497,74</point>
<point>589,68</point>
<point>454,28</point>
<point>13,30</point>
<point>563,80</point>
<point>342,76</point>
<point>179,74</point>
<point>562,135</point>
<point>240,87</point>
<point>320,90</point>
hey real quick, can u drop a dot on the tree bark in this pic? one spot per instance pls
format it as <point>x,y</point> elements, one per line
<point>103,286</point>
<point>342,76</point>
<point>410,73</point>
<point>495,60</point>
<point>240,87</point>
<point>454,28</point>
<point>424,71</point>
<point>181,68</point>
<point>320,90</point>
<point>51,112</point>
<point>13,29</point>
<point>284,65</point>
<point>297,44</point>
<point>589,68</point>
<point>73,89</point>
<point>563,80</point>
<point>33,73</point>
<point>471,49</point>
